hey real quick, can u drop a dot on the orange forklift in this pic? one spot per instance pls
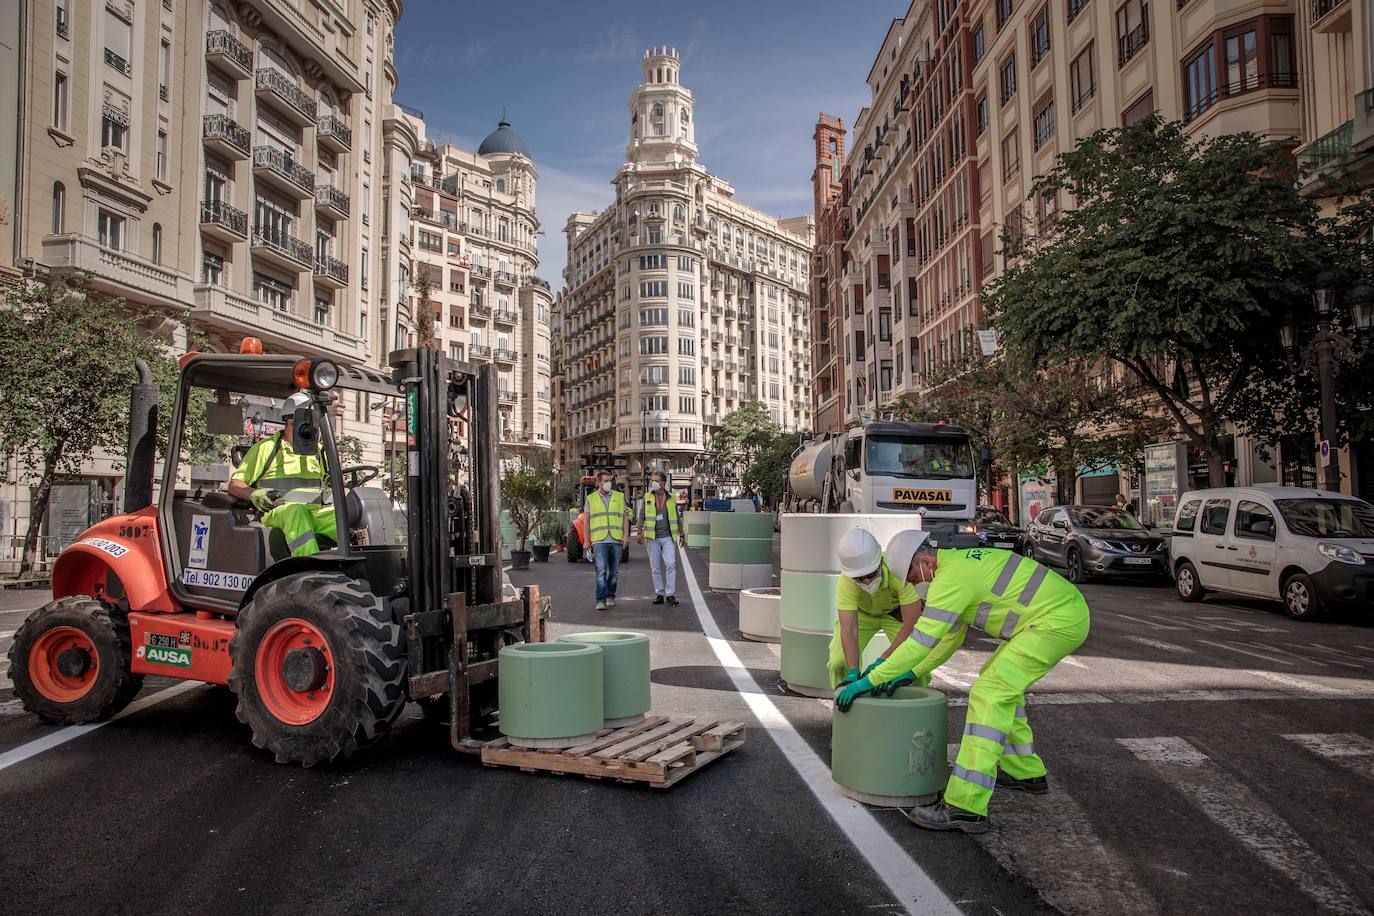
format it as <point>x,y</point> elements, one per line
<point>322,652</point>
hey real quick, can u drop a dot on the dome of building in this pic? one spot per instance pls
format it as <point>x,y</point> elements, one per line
<point>503,140</point>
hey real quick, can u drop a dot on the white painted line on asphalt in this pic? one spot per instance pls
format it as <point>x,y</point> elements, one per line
<point>72,732</point>
<point>1297,682</point>
<point>1360,662</point>
<point>1150,624</point>
<point>1234,807</point>
<point>1230,648</point>
<point>939,675</point>
<point>907,881</point>
<point>1354,752</point>
<point>1072,662</point>
<point>1324,663</point>
<point>1159,644</point>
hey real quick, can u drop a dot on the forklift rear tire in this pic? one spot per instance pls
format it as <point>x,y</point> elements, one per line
<point>70,662</point>
<point>319,668</point>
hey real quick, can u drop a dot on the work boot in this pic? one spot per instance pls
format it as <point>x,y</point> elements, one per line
<point>944,816</point>
<point>610,602</point>
<point>601,605</point>
<point>658,599</point>
<point>1036,785</point>
<point>672,600</point>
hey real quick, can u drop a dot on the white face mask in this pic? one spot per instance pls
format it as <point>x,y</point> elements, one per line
<point>871,587</point>
<point>606,487</point>
<point>653,486</point>
<point>922,588</point>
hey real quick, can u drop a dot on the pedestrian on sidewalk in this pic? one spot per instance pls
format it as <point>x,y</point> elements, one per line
<point>608,531</point>
<point>659,526</point>
<point>1042,617</point>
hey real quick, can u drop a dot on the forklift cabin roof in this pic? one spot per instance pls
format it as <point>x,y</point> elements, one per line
<point>272,375</point>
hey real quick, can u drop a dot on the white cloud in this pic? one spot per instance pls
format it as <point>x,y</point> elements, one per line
<point>560,193</point>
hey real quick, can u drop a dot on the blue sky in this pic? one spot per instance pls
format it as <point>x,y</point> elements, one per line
<point>760,70</point>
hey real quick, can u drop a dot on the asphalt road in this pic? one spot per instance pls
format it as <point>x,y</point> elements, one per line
<point>1204,758</point>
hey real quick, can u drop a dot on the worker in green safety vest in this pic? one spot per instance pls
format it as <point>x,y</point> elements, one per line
<point>608,533</point>
<point>1042,617</point>
<point>869,600</point>
<point>286,487</point>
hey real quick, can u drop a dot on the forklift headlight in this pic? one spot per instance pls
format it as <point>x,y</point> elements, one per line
<point>319,374</point>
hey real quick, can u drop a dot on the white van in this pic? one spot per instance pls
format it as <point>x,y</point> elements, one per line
<point>1311,549</point>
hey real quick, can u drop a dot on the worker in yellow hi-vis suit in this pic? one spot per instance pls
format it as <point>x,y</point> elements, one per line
<point>869,600</point>
<point>1041,616</point>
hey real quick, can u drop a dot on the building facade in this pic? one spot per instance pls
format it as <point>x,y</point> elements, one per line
<point>682,304</point>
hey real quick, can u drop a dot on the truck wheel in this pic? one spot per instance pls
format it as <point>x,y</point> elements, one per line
<point>319,668</point>
<point>1187,583</point>
<point>1300,597</point>
<point>70,662</point>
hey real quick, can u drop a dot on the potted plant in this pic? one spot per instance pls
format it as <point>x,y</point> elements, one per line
<point>525,493</point>
<point>546,536</point>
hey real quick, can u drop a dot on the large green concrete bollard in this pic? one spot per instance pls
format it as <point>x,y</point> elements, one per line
<point>624,674</point>
<point>551,694</point>
<point>808,600</point>
<point>892,751</point>
<point>697,528</point>
<point>741,550</point>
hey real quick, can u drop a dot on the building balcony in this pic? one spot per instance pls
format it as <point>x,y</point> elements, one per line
<point>216,308</point>
<point>479,351</point>
<point>223,135</point>
<point>479,310</point>
<point>503,355</point>
<point>506,396</point>
<point>1323,19</point>
<point>505,316</point>
<point>331,272</point>
<point>282,171</point>
<point>333,134</point>
<point>223,49</point>
<point>1362,135</point>
<point>118,63</point>
<point>329,199</point>
<point>282,93</point>
<point>483,273</point>
<point>504,277</point>
<point>220,221</point>
<point>117,273</point>
<point>1327,152</point>
<point>282,249</point>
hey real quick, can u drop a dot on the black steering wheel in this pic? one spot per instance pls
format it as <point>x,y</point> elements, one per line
<point>358,475</point>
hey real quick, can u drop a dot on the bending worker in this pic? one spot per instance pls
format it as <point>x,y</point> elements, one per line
<point>1041,616</point>
<point>870,599</point>
<point>658,522</point>
<point>286,487</point>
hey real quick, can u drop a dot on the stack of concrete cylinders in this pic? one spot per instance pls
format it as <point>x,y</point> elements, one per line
<point>743,505</point>
<point>760,611</point>
<point>551,694</point>
<point>698,528</point>
<point>810,573</point>
<point>624,674</point>
<point>892,751</point>
<point>741,550</point>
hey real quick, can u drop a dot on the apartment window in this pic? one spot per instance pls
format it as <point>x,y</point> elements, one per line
<point>164,69</point>
<point>885,325</point>
<point>653,318</point>
<point>1132,29</point>
<point>982,113</point>
<point>654,289</point>
<point>1047,204</point>
<point>1008,79</point>
<point>686,291</point>
<point>1140,109</point>
<point>653,346</point>
<point>161,160</point>
<point>686,375</point>
<point>1011,155</point>
<point>212,269</point>
<point>1083,77</point>
<point>653,375</point>
<point>1200,82</point>
<point>1281,69</point>
<point>653,262</point>
<point>157,243</point>
<point>1040,35</point>
<point>1004,9</point>
<point>273,292</point>
<point>1242,62</point>
<point>1044,121</point>
<point>686,318</point>
<point>653,402</point>
<point>686,263</point>
<point>322,310</point>
<point>686,346</point>
<point>59,207</point>
<point>59,101</point>
<point>362,270</point>
<point>62,18</point>
<point>687,405</point>
<point>979,46</point>
<point>114,129</point>
<point>117,43</point>
<point>1076,7</point>
<point>110,230</point>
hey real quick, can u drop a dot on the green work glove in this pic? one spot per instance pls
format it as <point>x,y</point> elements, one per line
<point>851,692</point>
<point>851,677</point>
<point>888,689</point>
<point>869,669</point>
<point>264,499</point>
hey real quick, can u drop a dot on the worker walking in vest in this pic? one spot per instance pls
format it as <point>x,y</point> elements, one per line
<point>1041,616</point>
<point>286,487</point>
<point>608,532</point>
<point>870,600</point>
<point>659,526</point>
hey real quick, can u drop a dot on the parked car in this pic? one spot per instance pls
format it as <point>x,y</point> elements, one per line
<point>1097,541</point>
<point>995,530</point>
<point>1311,549</point>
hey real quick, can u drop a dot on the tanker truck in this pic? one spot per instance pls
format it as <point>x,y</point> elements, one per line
<point>924,469</point>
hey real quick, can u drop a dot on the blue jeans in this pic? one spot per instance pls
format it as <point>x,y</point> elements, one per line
<point>607,556</point>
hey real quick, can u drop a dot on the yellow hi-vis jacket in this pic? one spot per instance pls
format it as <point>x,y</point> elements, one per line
<point>1000,592</point>
<point>607,516</point>
<point>649,516</point>
<point>272,464</point>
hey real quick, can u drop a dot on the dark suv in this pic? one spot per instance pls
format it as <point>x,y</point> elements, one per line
<point>1097,541</point>
<point>995,530</point>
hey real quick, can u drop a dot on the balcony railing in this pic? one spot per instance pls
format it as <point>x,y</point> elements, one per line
<point>1076,7</point>
<point>223,127</point>
<point>330,196</point>
<point>1335,146</point>
<point>1131,43</point>
<point>480,310</point>
<point>504,354</point>
<point>283,243</point>
<point>481,350</point>
<point>275,160</point>
<point>119,63</point>
<point>281,85</point>
<point>1319,9</point>
<point>332,268</point>
<point>224,44</point>
<point>331,128</point>
<point>218,213</point>
<point>505,315</point>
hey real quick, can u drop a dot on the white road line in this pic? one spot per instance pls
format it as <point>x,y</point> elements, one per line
<point>1297,682</point>
<point>1238,810</point>
<point>1354,752</point>
<point>1159,644</point>
<point>72,732</point>
<point>907,881</point>
<point>1259,655</point>
<point>1359,662</point>
<point>1072,662</point>
<point>1324,663</point>
<point>939,675</point>
<point>1153,625</point>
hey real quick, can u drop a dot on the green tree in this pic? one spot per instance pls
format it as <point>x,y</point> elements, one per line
<point>1178,260</point>
<point>526,493</point>
<point>69,357</point>
<point>743,435</point>
<point>769,468</point>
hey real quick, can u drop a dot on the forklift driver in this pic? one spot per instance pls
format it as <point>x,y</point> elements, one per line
<point>285,487</point>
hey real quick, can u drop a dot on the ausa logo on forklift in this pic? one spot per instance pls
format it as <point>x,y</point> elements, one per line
<point>913,495</point>
<point>162,655</point>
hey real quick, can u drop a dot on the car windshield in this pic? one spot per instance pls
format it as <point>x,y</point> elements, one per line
<point>1328,518</point>
<point>986,516</point>
<point>931,459</point>
<point>1103,517</point>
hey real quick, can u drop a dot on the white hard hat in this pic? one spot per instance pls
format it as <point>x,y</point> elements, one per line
<point>296,401</point>
<point>860,553</point>
<point>902,548</point>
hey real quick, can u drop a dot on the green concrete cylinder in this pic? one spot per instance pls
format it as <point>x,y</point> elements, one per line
<point>892,750</point>
<point>758,525</point>
<point>741,550</point>
<point>805,662</point>
<point>810,542</point>
<point>698,540</point>
<point>808,600</point>
<point>740,575</point>
<point>551,694</point>
<point>624,673</point>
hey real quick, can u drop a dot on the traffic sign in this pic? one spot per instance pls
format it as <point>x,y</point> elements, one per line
<point>1324,450</point>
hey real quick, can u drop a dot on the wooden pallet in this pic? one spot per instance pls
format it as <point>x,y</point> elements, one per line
<point>659,751</point>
